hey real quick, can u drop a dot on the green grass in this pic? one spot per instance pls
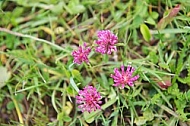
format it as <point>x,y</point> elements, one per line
<point>39,82</point>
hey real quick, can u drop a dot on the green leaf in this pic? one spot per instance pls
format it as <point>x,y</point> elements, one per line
<point>163,65</point>
<point>11,41</point>
<point>109,103</point>
<point>124,102</point>
<point>87,119</point>
<point>184,80</point>
<point>140,120</point>
<point>103,81</point>
<point>153,57</point>
<point>145,32</point>
<point>78,9</point>
<point>87,80</point>
<point>172,121</point>
<point>10,105</point>
<point>4,76</point>
<point>77,75</point>
<point>170,111</point>
<point>21,108</point>
<point>57,9</point>
<point>120,44</point>
<point>66,72</point>
<point>151,21</point>
<point>155,99</point>
<point>74,84</point>
<point>17,11</point>
<point>117,15</point>
<point>19,97</point>
<point>137,92</point>
<point>67,118</point>
<point>170,31</point>
<point>163,96</point>
<point>115,115</point>
<point>74,7</point>
<point>112,93</point>
<point>138,20</point>
<point>89,2</point>
<point>62,117</point>
<point>154,15</point>
<point>187,95</point>
<point>47,50</point>
<point>148,114</point>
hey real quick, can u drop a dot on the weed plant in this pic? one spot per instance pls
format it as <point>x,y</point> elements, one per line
<point>52,72</point>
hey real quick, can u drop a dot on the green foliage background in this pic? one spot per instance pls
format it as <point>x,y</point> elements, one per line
<point>38,82</point>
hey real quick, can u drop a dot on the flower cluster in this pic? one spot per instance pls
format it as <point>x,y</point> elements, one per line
<point>106,44</point>
<point>124,77</point>
<point>89,99</point>
<point>81,54</point>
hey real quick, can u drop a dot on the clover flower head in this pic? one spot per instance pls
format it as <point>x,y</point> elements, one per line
<point>88,99</point>
<point>124,77</point>
<point>106,42</point>
<point>81,55</point>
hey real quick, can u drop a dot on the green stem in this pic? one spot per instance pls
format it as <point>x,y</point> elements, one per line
<point>34,38</point>
<point>18,112</point>
<point>16,107</point>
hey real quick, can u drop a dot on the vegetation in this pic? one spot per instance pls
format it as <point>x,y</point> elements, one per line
<point>39,81</point>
